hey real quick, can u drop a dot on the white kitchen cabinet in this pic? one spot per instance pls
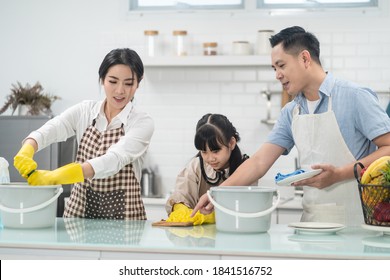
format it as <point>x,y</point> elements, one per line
<point>289,211</point>
<point>155,208</point>
<point>48,254</point>
<point>155,256</point>
<point>214,60</point>
<point>286,216</point>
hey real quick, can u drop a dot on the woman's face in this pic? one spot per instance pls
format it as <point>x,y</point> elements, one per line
<point>219,159</point>
<point>120,85</point>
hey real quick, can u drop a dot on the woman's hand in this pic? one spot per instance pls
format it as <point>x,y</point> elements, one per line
<point>204,206</point>
<point>67,174</point>
<point>23,160</point>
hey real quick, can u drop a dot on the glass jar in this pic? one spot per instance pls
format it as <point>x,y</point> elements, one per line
<point>151,44</point>
<point>4,172</point>
<point>263,45</point>
<point>180,43</point>
<point>210,48</point>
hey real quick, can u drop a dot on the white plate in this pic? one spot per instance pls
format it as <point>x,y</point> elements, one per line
<point>315,225</point>
<point>295,178</point>
<point>316,239</point>
<point>316,228</point>
<point>385,230</point>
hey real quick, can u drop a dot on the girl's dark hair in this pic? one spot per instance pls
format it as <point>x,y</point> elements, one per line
<point>122,56</point>
<point>215,130</point>
<point>296,39</point>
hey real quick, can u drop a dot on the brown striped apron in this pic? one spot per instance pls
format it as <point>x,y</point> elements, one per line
<point>115,197</point>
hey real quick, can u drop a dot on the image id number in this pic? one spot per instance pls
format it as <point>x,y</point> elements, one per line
<point>240,270</point>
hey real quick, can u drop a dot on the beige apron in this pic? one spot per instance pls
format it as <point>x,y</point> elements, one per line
<point>115,197</point>
<point>318,140</point>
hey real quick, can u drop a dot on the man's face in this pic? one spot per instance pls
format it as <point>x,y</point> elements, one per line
<point>289,70</point>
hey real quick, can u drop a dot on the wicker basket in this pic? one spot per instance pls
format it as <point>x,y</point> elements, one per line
<point>375,200</point>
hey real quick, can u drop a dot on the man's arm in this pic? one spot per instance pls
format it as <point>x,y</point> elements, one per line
<point>256,166</point>
<point>248,172</point>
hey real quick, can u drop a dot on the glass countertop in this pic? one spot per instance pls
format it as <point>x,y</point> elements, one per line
<point>280,241</point>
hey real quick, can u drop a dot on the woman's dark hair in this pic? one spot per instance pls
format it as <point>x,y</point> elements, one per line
<point>214,131</point>
<point>296,39</point>
<point>122,56</point>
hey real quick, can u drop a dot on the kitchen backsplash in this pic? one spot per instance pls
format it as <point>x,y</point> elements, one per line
<point>178,97</point>
<point>64,55</point>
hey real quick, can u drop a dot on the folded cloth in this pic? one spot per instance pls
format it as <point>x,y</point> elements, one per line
<point>280,176</point>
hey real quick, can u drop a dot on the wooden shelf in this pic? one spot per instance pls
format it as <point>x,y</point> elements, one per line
<point>209,61</point>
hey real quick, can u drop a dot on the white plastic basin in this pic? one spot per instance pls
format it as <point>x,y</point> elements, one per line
<point>245,209</point>
<point>24,206</point>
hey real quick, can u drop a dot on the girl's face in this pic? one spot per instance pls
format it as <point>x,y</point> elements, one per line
<point>219,159</point>
<point>120,85</point>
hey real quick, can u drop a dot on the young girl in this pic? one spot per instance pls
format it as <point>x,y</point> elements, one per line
<point>113,137</point>
<point>219,156</point>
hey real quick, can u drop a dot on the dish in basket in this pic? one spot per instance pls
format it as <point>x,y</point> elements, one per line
<point>288,179</point>
<point>377,241</point>
<point>385,230</point>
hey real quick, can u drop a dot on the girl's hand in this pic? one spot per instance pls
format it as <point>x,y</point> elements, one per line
<point>204,206</point>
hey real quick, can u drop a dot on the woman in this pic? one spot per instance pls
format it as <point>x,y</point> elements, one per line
<point>113,138</point>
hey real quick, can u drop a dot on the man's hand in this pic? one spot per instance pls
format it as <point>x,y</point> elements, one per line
<point>329,176</point>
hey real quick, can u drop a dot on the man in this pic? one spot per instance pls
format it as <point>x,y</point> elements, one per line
<point>333,123</point>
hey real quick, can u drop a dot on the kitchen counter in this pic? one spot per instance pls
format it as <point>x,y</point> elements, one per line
<point>110,239</point>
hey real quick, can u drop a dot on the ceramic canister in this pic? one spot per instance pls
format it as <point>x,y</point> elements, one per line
<point>263,45</point>
<point>241,48</point>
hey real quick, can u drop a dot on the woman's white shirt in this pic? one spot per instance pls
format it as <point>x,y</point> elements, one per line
<point>131,148</point>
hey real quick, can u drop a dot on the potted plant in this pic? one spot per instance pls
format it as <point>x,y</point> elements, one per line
<point>32,98</point>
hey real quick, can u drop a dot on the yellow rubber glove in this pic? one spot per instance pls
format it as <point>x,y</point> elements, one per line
<point>209,218</point>
<point>181,213</point>
<point>67,174</point>
<point>197,232</point>
<point>23,161</point>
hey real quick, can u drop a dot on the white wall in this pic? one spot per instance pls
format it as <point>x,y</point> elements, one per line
<point>62,43</point>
